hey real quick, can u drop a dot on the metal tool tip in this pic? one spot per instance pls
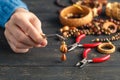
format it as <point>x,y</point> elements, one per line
<point>78,64</point>
<point>61,37</point>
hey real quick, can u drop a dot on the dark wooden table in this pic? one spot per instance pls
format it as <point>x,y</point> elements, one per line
<point>44,63</point>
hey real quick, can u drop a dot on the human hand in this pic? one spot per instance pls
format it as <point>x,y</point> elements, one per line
<point>23,31</point>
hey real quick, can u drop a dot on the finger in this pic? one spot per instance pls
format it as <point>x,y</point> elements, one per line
<point>20,35</point>
<point>37,24</point>
<point>28,28</point>
<point>13,41</point>
<point>17,50</point>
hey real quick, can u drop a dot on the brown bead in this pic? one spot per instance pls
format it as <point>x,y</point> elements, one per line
<point>97,40</point>
<point>69,35</point>
<point>106,32</point>
<point>101,20</point>
<point>81,31</point>
<point>118,23</point>
<point>63,57</point>
<point>95,30</point>
<point>104,39</point>
<point>114,21</point>
<point>93,33</point>
<point>113,38</point>
<point>72,28</point>
<point>109,39</point>
<point>77,33</point>
<point>65,34</point>
<point>65,28</point>
<point>87,32</point>
<point>63,47</point>
<point>118,27</point>
<point>101,40</point>
<point>99,32</point>
<point>111,20</point>
<point>103,30</point>
<point>91,30</point>
<point>90,24</point>
<point>84,31</point>
<point>71,32</point>
<point>116,38</point>
<point>61,30</point>
<point>77,29</point>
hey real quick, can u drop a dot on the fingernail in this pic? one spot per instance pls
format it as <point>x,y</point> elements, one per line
<point>42,43</point>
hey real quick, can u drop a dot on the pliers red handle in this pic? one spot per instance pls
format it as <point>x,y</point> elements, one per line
<point>94,60</point>
<point>77,43</point>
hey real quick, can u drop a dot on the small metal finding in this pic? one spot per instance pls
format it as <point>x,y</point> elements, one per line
<point>52,35</point>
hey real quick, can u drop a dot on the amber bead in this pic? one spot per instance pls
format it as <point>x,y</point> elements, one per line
<point>111,20</point>
<point>77,33</point>
<point>97,39</point>
<point>113,37</point>
<point>118,23</point>
<point>101,20</point>
<point>63,47</point>
<point>66,28</point>
<point>72,28</point>
<point>61,30</point>
<point>90,24</point>
<point>65,34</point>
<point>99,33</point>
<point>63,57</point>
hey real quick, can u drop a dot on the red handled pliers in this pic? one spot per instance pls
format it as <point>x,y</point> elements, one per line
<point>77,43</point>
<point>94,60</point>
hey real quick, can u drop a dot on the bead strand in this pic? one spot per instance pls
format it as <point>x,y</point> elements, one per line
<point>112,38</point>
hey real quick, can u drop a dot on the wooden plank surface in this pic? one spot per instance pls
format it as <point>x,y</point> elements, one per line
<point>44,63</point>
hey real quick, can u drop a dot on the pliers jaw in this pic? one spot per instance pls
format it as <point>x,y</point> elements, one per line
<point>82,63</point>
<point>78,39</point>
<point>72,47</point>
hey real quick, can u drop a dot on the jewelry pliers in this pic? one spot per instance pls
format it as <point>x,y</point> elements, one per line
<point>94,60</point>
<point>77,43</point>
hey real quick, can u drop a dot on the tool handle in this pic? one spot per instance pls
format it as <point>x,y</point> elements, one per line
<point>80,37</point>
<point>101,59</point>
<point>85,53</point>
<point>92,45</point>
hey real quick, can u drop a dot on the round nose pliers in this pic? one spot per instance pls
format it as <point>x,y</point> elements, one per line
<point>77,43</point>
<point>94,60</point>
